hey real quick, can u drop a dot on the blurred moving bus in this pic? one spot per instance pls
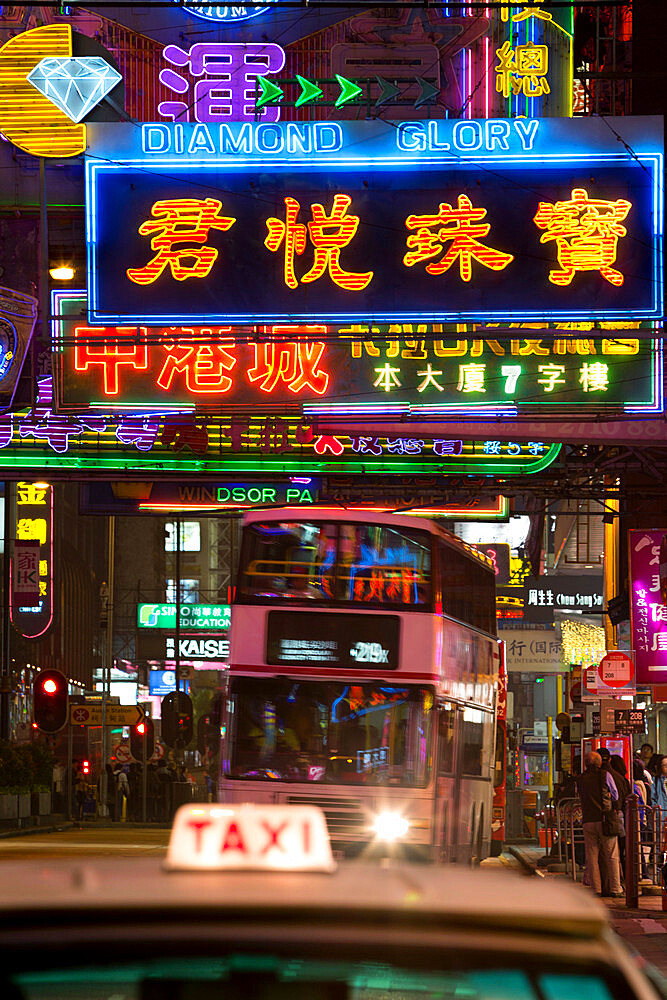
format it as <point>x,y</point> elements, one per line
<point>363,675</point>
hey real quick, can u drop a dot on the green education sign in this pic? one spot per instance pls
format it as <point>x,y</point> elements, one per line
<point>204,616</point>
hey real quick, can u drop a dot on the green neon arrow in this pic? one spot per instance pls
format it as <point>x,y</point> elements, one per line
<point>309,92</point>
<point>271,92</point>
<point>348,90</point>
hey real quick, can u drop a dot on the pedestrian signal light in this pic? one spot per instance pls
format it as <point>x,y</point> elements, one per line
<point>177,715</point>
<point>50,701</point>
<point>142,739</point>
<point>85,767</point>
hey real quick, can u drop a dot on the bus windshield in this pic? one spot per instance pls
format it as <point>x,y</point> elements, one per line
<point>336,562</point>
<point>330,732</point>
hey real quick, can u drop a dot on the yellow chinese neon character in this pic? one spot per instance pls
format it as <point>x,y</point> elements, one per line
<point>471,378</point>
<point>31,493</point>
<point>574,346</point>
<point>329,234</point>
<point>441,351</point>
<point>620,346</point>
<point>586,232</point>
<point>31,528</point>
<point>594,376</point>
<point>462,226</point>
<point>42,588</point>
<point>552,376</point>
<point>522,70</point>
<point>542,15</point>
<point>43,567</point>
<point>387,378</point>
<point>529,347</point>
<point>180,220</point>
<point>429,378</point>
<point>357,331</point>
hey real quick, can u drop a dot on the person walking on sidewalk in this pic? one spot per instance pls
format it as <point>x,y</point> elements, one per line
<point>596,805</point>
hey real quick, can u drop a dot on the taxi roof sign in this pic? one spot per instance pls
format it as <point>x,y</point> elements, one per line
<point>210,837</point>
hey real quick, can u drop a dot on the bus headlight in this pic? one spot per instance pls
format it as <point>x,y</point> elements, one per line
<point>390,826</point>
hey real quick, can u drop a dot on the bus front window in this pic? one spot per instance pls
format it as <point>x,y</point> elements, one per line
<point>359,734</point>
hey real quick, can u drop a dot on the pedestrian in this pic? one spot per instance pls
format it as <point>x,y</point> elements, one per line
<point>646,753</point>
<point>598,817</point>
<point>620,776</point>
<point>639,788</point>
<point>123,792</point>
<point>80,792</point>
<point>660,806</point>
<point>110,799</point>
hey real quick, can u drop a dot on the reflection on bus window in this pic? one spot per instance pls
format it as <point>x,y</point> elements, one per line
<point>447,721</point>
<point>346,563</point>
<point>358,734</point>
<point>477,729</point>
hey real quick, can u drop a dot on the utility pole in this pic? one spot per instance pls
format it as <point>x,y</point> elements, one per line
<point>106,669</point>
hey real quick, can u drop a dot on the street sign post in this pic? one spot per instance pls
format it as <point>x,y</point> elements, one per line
<point>116,715</point>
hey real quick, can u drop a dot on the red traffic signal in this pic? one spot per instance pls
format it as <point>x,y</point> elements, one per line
<point>85,766</point>
<point>142,739</point>
<point>50,701</point>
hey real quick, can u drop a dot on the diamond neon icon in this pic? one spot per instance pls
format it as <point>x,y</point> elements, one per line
<point>76,84</point>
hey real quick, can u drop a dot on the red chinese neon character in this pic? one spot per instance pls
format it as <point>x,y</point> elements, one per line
<point>326,442</point>
<point>586,233</point>
<point>109,354</point>
<point>456,225</point>
<point>294,363</point>
<point>204,365</point>
<point>180,220</point>
<point>329,234</point>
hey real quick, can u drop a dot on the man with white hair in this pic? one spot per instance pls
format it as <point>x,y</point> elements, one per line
<point>596,843</point>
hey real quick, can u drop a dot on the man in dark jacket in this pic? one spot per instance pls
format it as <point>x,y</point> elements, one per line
<point>596,844</point>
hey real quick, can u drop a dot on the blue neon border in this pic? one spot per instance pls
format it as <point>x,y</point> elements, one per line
<point>652,161</point>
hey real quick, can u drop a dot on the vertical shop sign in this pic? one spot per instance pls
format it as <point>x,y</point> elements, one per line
<point>32,614</point>
<point>648,607</point>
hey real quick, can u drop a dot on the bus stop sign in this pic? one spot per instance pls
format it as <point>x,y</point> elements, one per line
<point>616,673</point>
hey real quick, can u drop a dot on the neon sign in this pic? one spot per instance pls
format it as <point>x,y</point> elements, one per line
<point>223,13</point>
<point>224,78</point>
<point>405,369</point>
<point>42,438</point>
<point>34,523</point>
<point>530,243</point>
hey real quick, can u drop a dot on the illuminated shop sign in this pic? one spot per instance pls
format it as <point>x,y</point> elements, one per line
<point>313,639</point>
<point>197,616</point>
<point>580,594</point>
<point>217,81</point>
<point>419,368</point>
<point>193,647</point>
<point>349,222</point>
<point>223,13</point>
<point>648,604</point>
<point>34,524</point>
<point>43,438</point>
<point>428,494</point>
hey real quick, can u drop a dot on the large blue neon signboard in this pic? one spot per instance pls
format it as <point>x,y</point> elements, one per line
<point>368,221</point>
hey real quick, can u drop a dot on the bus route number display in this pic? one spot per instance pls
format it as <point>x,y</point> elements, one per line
<point>296,638</point>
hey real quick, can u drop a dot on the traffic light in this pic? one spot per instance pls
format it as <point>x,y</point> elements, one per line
<point>142,739</point>
<point>177,719</point>
<point>85,767</point>
<point>208,734</point>
<point>50,701</point>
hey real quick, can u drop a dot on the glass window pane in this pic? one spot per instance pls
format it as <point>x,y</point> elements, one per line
<point>189,591</point>
<point>473,742</point>
<point>190,536</point>
<point>447,718</point>
<point>379,564</point>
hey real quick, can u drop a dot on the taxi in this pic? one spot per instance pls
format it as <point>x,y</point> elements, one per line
<point>250,905</point>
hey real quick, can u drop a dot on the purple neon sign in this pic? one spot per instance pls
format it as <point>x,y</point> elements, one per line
<point>217,81</point>
<point>649,612</point>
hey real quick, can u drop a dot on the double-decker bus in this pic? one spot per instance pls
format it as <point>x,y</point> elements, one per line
<point>363,676</point>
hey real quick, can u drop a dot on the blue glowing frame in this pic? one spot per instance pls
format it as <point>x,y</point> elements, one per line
<point>651,161</point>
